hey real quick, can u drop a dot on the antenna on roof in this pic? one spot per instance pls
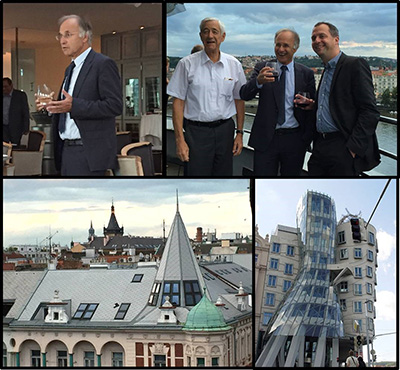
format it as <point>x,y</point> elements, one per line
<point>177,201</point>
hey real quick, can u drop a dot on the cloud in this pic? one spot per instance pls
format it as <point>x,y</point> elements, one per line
<point>385,305</point>
<point>386,244</point>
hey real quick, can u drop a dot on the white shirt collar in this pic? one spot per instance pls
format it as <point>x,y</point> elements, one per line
<point>81,58</point>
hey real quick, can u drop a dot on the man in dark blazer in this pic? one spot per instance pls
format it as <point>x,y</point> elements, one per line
<point>346,114</point>
<point>91,98</point>
<point>281,133</point>
<point>15,113</point>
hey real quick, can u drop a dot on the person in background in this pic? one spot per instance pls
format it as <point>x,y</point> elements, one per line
<point>346,113</point>
<point>206,87</point>
<point>281,132</point>
<point>351,361</point>
<point>196,48</point>
<point>15,113</point>
<point>91,98</point>
<point>361,362</point>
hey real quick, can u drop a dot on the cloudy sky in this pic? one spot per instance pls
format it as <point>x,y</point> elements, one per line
<point>364,29</point>
<point>276,202</point>
<point>32,207</point>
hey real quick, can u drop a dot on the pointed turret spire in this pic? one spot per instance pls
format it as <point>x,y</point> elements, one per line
<point>113,228</point>
<point>177,201</point>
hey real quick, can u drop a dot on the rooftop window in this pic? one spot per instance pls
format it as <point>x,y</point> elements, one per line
<point>85,311</point>
<point>137,278</point>
<point>123,309</point>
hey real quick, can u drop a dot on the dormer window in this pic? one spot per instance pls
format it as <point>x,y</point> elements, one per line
<point>137,278</point>
<point>172,290</point>
<point>123,309</point>
<point>192,293</point>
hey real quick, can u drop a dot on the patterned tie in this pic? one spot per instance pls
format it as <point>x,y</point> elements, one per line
<point>282,88</point>
<point>68,75</point>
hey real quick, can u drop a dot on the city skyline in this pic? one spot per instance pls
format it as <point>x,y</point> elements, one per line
<point>30,207</point>
<point>282,196</point>
<point>250,27</point>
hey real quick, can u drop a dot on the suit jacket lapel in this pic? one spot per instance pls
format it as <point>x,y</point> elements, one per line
<point>87,64</point>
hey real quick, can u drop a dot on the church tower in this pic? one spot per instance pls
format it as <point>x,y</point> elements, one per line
<point>113,228</point>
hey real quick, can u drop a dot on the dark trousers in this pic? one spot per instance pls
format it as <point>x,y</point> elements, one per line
<point>331,157</point>
<point>74,162</point>
<point>210,149</point>
<point>287,150</point>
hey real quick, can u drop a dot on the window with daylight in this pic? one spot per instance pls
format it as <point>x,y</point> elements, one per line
<point>274,264</point>
<point>314,257</point>
<point>215,361</point>
<point>319,292</point>
<point>357,272</point>
<point>371,238</point>
<point>276,247</point>
<point>35,358</point>
<point>357,253</point>
<point>357,289</point>
<point>343,253</point>
<point>137,278</point>
<point>85,311</point>
<point>343,305</point>
<point>369,271</point>
<point>290,250</point>
<point>322,275</point>
<point>272,280</point>
<point>316,310</point>
<point>370,324</point>
<point>155,291</point>
<point>123,309</point>
<point>341,237</point>
<point>286,285</point>
<point>370,306</point>
<point>4,357</point>
<point>267,316</point>
<point>255,258</point>
<point>289,269</point>
<point>270,300</point>
<point>192,292</point>
<point>344,287</point>
<point>171,289</point>
<point>358,307</point>
<point>359,322</point>
<point>200,362</point>
<point>369,288</point>
<point>299,309</point>
<point>370,256</point>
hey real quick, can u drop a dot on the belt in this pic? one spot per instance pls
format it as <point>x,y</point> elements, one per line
<point>329,135</point>
<point>284,131</point>
<point>75,142</point>
<point>208,124</point>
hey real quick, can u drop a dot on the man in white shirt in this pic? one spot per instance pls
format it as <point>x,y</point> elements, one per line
<point>206,88</point>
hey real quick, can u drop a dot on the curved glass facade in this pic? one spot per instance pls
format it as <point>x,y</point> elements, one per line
<point>311,307</point>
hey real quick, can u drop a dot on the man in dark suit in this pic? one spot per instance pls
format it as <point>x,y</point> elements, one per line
<point>15,113</point>
<point>346,114</point>
<point>281,132</point>
<point>91,98</point>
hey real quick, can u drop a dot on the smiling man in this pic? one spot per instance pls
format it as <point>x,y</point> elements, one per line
<point>281,132</point>
<point>346,113</point>
<point>89,100</point>
<point>206,87</point>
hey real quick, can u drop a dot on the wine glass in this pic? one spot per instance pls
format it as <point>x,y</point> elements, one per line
<point>274,66</point>
<point>44,94</point>
<point>300,101</point>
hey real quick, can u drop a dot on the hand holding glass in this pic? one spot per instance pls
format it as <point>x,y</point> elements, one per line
<point>274,66</point>
<point>43,96</point>
<point>303,99</point>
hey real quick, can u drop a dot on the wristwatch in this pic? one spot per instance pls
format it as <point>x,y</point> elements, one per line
<point>239,131</point>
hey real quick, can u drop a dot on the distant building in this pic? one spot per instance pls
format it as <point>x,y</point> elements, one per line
<point>173,313</point>
<point>318,287</point>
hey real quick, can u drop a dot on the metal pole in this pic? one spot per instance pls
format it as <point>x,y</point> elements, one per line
<point>367,321</point>
<point>376,206</point>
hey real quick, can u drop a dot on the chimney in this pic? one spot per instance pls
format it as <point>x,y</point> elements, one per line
<point>199,234</point>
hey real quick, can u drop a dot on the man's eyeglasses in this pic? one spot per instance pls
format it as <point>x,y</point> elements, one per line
<point>66,35</point>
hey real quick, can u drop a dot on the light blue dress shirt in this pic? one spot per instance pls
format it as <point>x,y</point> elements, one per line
<point>325,123</point>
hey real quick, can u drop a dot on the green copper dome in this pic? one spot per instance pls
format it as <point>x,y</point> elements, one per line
<point>205,316</point>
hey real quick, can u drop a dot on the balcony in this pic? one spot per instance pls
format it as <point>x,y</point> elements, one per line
<point>243,164</point>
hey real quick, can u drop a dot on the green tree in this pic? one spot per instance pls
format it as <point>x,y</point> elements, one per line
<point>386,98</point>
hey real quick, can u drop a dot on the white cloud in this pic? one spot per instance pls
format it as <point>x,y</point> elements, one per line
<point>385,305</point>
<point>386,244</point>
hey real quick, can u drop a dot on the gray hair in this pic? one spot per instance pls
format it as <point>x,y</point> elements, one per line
<point>295,34</point>
<point>221,25</point>
<point>84,26</point>
<point>332,29</point>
